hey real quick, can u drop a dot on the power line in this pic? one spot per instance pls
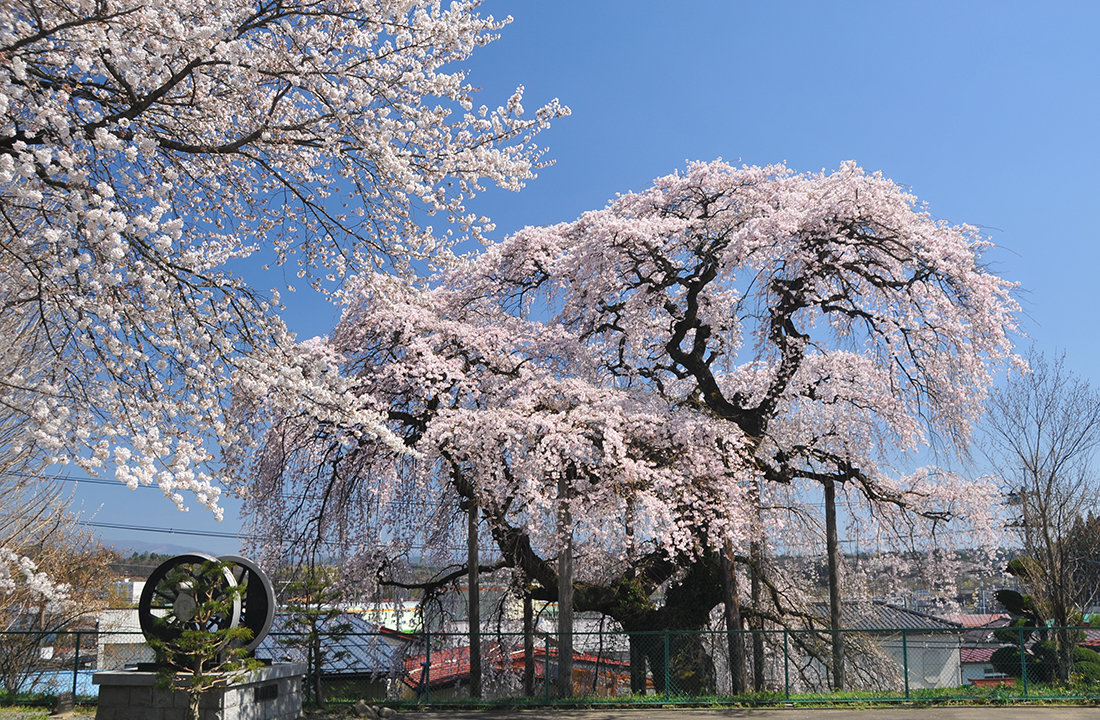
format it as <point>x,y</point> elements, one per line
<point>230,536</point>
<point>78,479</point>
<point>169,531</point>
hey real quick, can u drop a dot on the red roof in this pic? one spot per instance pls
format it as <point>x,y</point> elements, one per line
<point>1092,639</point>
<point>977,654</point>
<point>452,665</point>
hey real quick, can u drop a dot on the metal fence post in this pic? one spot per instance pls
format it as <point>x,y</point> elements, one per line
<point>668,691</point>
<point>426,673</point>
<point>905,660</point>
<point>76,664</point>
<point>1023,661</point>
<point>546,666</point>
<point>786,665</point>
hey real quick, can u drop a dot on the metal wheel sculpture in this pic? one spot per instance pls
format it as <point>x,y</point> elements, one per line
<point>168,601</point>
<point>257,597</point>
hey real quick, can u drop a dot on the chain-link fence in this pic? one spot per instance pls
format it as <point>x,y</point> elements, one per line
<point>36,664</point>
<point>769,666</point>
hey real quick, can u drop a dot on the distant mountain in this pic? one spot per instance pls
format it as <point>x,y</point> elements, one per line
<point>125,547</point>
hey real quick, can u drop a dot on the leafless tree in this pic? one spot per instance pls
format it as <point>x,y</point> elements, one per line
<point>1042,431</point>
<point>38,526</point>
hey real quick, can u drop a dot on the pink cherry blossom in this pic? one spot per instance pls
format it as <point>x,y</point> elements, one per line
<point>695,360</point>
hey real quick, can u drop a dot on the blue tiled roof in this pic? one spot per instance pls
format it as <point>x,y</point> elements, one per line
<point>878,615</point>
<point>363,650</point>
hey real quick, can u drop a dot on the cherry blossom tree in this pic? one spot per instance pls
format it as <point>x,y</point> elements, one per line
<point>687,371</point>
<point>146,150</point>
<point>52,571</point>
<point>21,360</point>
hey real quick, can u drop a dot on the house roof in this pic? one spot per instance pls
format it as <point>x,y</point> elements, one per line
<point>364,649</point>
<point>980,627</point>
<point>979,620</point>
<point>452,665</point>
<point>883,616</point>
<point>980,654</point>
<point>1092,639</point>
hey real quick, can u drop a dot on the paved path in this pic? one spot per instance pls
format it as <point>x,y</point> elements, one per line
<point>980,712</point>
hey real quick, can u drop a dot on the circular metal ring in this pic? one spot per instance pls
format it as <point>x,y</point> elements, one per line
<point>257,597</point>
<point>167,601</point>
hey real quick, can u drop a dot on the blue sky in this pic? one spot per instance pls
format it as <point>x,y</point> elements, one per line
<point>989,111</point>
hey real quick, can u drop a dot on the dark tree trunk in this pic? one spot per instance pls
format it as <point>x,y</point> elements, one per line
<point>690,669</point>
<point>696,589</point>
<point>637,663</point>
<point>672,630</point>
<point>474,596</point>
<point>1063,642</point>
<point>757,623</point>
<point>637,642</point>
<point>832,549</point>
<point>528,646</point>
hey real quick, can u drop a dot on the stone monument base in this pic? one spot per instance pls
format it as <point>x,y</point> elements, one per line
<point>269,693</point>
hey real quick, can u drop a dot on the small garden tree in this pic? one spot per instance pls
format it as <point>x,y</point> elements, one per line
<point>198,648</point>
<point>313,615</point>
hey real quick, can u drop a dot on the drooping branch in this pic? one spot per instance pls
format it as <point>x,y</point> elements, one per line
<point>438,582</point>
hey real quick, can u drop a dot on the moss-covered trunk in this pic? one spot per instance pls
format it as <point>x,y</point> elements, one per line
<point>671,637</point>
<point>694,589</point>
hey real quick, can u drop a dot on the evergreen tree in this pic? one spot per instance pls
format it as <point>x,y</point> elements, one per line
<point>198,647</point>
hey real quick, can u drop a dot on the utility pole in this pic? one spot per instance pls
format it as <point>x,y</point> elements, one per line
<point>832,549</point>
<point>734,626</point>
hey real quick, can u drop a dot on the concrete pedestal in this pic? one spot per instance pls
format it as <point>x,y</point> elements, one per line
<point>269,693</point>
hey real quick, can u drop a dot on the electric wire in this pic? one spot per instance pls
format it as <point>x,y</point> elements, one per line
<point>232,536</point>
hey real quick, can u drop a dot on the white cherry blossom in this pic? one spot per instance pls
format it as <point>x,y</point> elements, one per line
<point>146,149</point>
